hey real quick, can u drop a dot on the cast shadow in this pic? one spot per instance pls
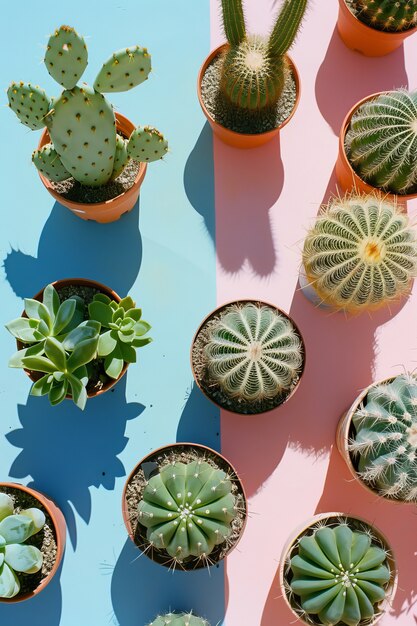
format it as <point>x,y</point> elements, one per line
<point>71,247</point>
<point>66,451</point>
<point>200,420</point>
<point>142,589</point>
<point>346,76</point>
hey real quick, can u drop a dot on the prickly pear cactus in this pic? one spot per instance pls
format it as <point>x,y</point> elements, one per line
<point>339,575</point>
<point>124,70</point>
<point>147,144</point>
<point>188,509</point>
<point>179,619</point>
<point>48,162</point>
<point>30,103</point>
<point>389,15</point>
<point>385,439</point>
<point>66,56</point>
<point>121,157</point>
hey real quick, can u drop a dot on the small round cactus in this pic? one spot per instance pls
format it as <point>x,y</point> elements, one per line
<point>360,254</point>
<point>389,15</point>
<point>385,438</point>
<point>381,141</point>
<point>179,619</point>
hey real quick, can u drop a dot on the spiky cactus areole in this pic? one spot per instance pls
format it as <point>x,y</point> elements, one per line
<point>360,254</point>
<point>338,573</point>
<point>389,15</point>
<point>381,141</point>
<point>179,619</point>
<point>384,442</point>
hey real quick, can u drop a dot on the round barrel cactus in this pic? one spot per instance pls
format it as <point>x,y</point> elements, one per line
<point>381,141</point>
<point>388,15</point>
<point>361,253</point>
<point>385,439</point>
<point>338,576</point>
<point>179,619</point>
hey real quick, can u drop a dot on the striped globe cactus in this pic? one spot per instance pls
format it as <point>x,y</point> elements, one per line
<point>361,253</point>
<point>179,619</point>
<point>381,141</point>
<point>389,15</point>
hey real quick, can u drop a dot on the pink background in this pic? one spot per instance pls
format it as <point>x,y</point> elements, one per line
<point>265,200</point>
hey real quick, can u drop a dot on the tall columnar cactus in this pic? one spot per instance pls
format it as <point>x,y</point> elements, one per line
<point>179,619</point>
<point>340,575</point>
<point>361,253</point>
<point>385,440</point>
<point>15,554</point>
<point>81,122</point>
<point>388,15</point>
<point>253,353</point>
<point>188,509</point>
<point>381,141</point>
<point>255,68</point>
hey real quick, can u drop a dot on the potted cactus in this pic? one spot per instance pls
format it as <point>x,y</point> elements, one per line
<point>90,160</point>
<point>376,27</point>
<point>247,357</point>
<point>360,254</point>
<point>377,438</point>
<point>76,338</point>
<point>32,542</point>
<point>377,145</point>
<point>337,569</point>
<point>184,506</point>
<point>179,619</point>
<point>249,88</point>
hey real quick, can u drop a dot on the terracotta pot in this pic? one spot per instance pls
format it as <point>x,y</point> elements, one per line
<point>242,140</point>
<point>156,555</point>
<point>217,310</point>
<point>365,39</point>
<point>346,176</point>
<point>333,517</point>
<point>60,284</point>
<point>60,529</point>
<point>110,210</point>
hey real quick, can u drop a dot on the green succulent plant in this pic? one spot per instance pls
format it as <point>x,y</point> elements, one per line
<point>125,333</point>
<point>15,554</point>
<point>338,576</point>
<point>381,141</point>
<point>81,122</point>
<point>179,619</point>
<point>187,509</point>
<point>389,15</point>
<point>361,253</point>
<point>385,438</point>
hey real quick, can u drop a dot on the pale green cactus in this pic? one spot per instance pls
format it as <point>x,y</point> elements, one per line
<point>385,438</point>
<point>389,15</point>
<point>179,619</point>
<point>15,554</point>
<point>81,122</point>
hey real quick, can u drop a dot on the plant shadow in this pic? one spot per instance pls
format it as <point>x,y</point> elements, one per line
<point>109,253</point>
<point>200,420</point>
<point>337,90</point>
<point>81,448</point>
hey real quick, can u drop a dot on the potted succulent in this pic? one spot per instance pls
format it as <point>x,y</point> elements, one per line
<point>376,27</point>
<point>32,541</point>
<point>377,145</point>
<point>90,159</point>
<point>377,438</point>
<point>76,338</point>
<point>179,619</point>
<point>249,88</point>
<point>360,254</point>
<point>184,506</point>
<point>247,357</point>
<point>337,569</point>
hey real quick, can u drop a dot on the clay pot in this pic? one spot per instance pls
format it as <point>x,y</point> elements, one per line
<point>110,210</point>
<point>354,522</point>
<point>365,39</point>
<point>208,318</point>
<point>60,530</point>
<point>243,140</point>
<point>84,282</point>
<point>347,178</point>
<point>138,535</point>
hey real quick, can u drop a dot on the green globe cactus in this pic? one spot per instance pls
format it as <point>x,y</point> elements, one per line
<point>255,68</point>
<point>339,575</point>
<point>360,254</point>
<point>381,141</point>
<point>15,554</point>
<point>387,14</point>
<point>179,619</point>
<point>187,509</point>
<point>385,438</point>
<point>81,122</point>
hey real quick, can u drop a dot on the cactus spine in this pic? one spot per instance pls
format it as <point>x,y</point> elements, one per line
<point>385,441</point>
<point>387,14</point>
<point>381,142</point>
<point>179,619</point>
<point>361,253</point>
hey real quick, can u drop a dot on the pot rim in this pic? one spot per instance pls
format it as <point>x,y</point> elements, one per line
<point>397,34</point>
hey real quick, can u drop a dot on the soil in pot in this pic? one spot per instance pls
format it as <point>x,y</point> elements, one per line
<point>45,540</point>
<point>353,7</point>
<point>242,120</point>
<point>183,453</point>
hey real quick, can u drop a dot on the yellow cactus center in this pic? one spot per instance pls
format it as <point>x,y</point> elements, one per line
<point>254,60</point>
<point>373,251</point>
